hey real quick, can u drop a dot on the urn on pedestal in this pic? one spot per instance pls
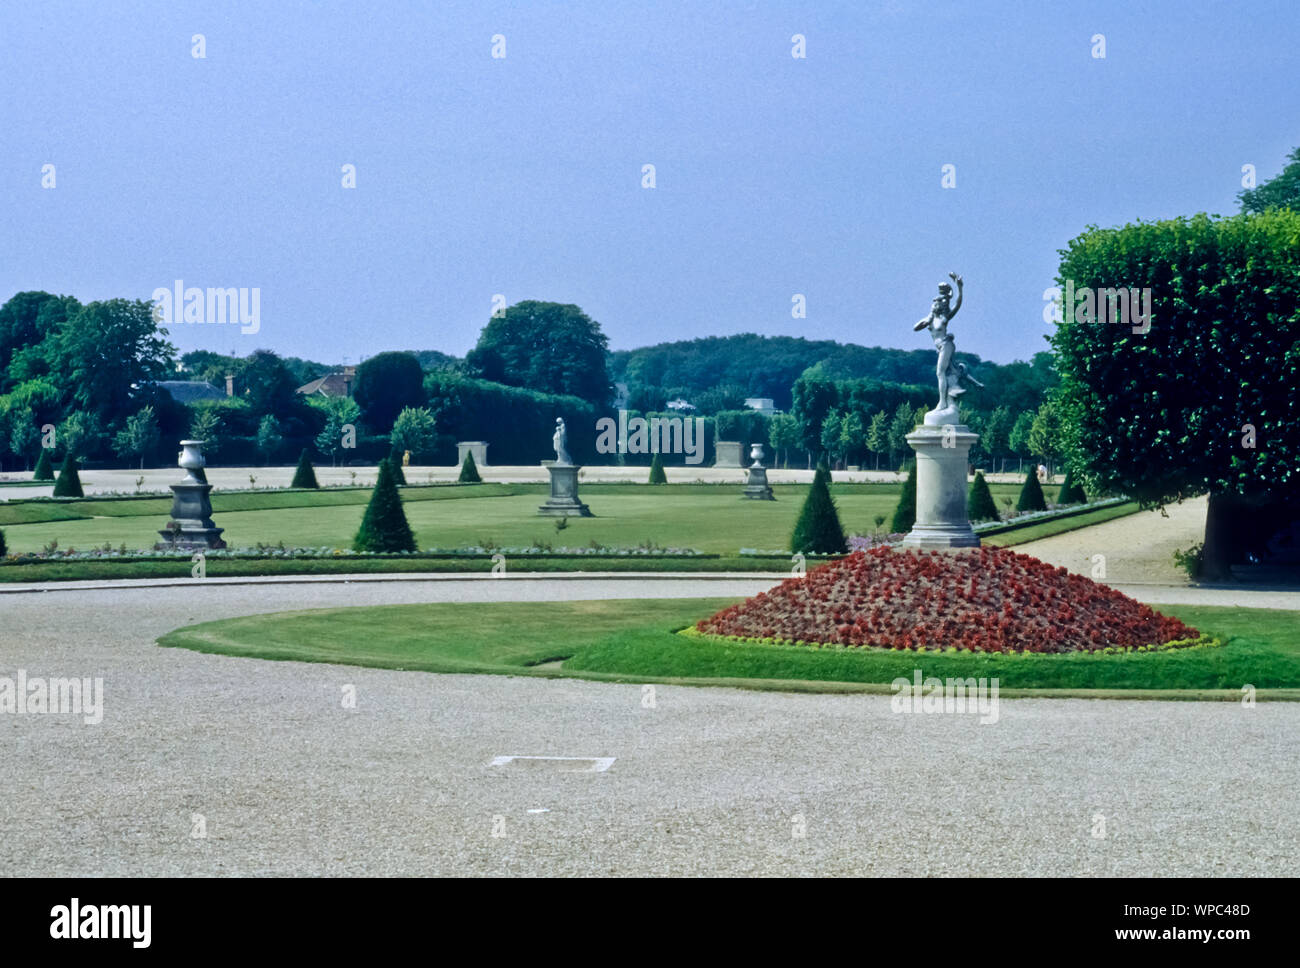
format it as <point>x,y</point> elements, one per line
<point>191,527</point>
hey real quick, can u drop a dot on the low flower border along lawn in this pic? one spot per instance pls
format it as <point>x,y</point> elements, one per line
<point>636,640</point>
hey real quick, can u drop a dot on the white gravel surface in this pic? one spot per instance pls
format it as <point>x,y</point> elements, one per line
<point>708,781</point>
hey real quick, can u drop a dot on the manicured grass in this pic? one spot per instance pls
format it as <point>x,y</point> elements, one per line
<point>634,640</point>
<point>708,518</point>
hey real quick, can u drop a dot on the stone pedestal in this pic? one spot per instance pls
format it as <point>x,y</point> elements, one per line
<point>941,462</point>
<point>563,502</point>
<point>756,486</point>
<point>476,447</point>
<point>191,527</point>
<point>727,453</point>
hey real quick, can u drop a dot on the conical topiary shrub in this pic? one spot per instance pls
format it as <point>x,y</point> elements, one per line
<point>905,513</point>
<point>3,549</point>
<point>818,529</point>
<point>69,482</point>
<point>44,471</point>
<point>979,500</point>
<point>305,475</point>
<point>395,459</point>
<point>1076,494</point>
<point>384,527</point>
<point>1066,494</point>
<point>1031,495</point>
<point>469,470</point>
<point>657,475</point>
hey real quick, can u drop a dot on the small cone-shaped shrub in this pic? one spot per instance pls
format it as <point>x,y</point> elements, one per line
<point>1031,495</point>
<point>69,482</point>
<point>395,459</point>
<point>905,513</point>
<point>305,475</point>
<point>818,529</point>
<point>384,527</point>
<point>1066,494</point>
<point>657,475</point>
<point>469,470</point>
<point>44,471</point>
<point>3,550</point>
<point>979,501</point>
<point>1077,494</point>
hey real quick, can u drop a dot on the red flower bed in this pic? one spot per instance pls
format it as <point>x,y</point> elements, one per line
<point>990,600</point>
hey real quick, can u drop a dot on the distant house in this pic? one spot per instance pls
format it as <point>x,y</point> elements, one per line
<point>764,405</point>
<point>679,404</point>
<point>337,384</point>
<point>190,391</point>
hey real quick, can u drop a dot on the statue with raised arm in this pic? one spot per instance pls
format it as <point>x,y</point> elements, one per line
<point>561,442</point>
<point>949,372</point>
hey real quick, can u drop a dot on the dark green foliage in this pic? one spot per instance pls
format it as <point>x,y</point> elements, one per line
<point>1282,191</point>
<point>657,475</point>
<point>1206,400</point>
<point>69,483</point>
<point>979,501</point>
<point>1071,492</point>
<point>905,513</point>
<point>818,530</point>
<point>1031,494</point>
<point>3,549</point>
<point>384,526</point>
<point>549,347</point>
<point>305,475</point>
<point>395,459</point>
<point>43,472</point>
<point>469,470</point>
<point>386,383</point>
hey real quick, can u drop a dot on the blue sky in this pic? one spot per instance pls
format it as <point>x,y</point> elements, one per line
<point>522,175</point>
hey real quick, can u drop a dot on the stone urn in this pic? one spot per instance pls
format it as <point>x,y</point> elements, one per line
<point>756,486</point>
<point>190,527</point>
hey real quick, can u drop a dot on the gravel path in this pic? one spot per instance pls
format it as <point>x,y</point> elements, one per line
<point>1138,548</point>
<point>707,781</point>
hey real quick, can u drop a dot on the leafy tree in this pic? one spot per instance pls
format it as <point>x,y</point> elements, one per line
<point>1031,494</point>
<point>386,384</point>
<point>997,432</point>
<point>80,433</point>
<point>551,347</point>
<point>903,423</point>
<point>818,529</point>
<point>1045,433</point>
<point>905,513</point>
<point>105,350</point>
<point>878,435</point>
<point>341,413</point>
<point>27,320</point>
<point>469,470</point>
<point>304,475</point>
<point>384,527</point>
<point>267,385</point>
<point>829,438</point>
<point>206,426</point>
<point>23,435</point>
<point>814,396</point>
<point>269,437</point>
<point>1207,400</point>
<point>415,430</point>
<point>783,435</point>
<point>1018,439</point>
<point>1283,191</point>
<point>657,475</point>
<point>44,471</point>
<point>852,435</point>
<point>69,482</point>
<point>139,437</point>
<point>979,500</point>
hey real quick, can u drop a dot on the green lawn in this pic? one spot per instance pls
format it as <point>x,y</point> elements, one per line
<point>703,517</point>
<point>634,640</point>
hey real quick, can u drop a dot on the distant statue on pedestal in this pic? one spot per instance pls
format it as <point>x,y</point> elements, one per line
<point>561,442</point>
<point>949,372</point>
